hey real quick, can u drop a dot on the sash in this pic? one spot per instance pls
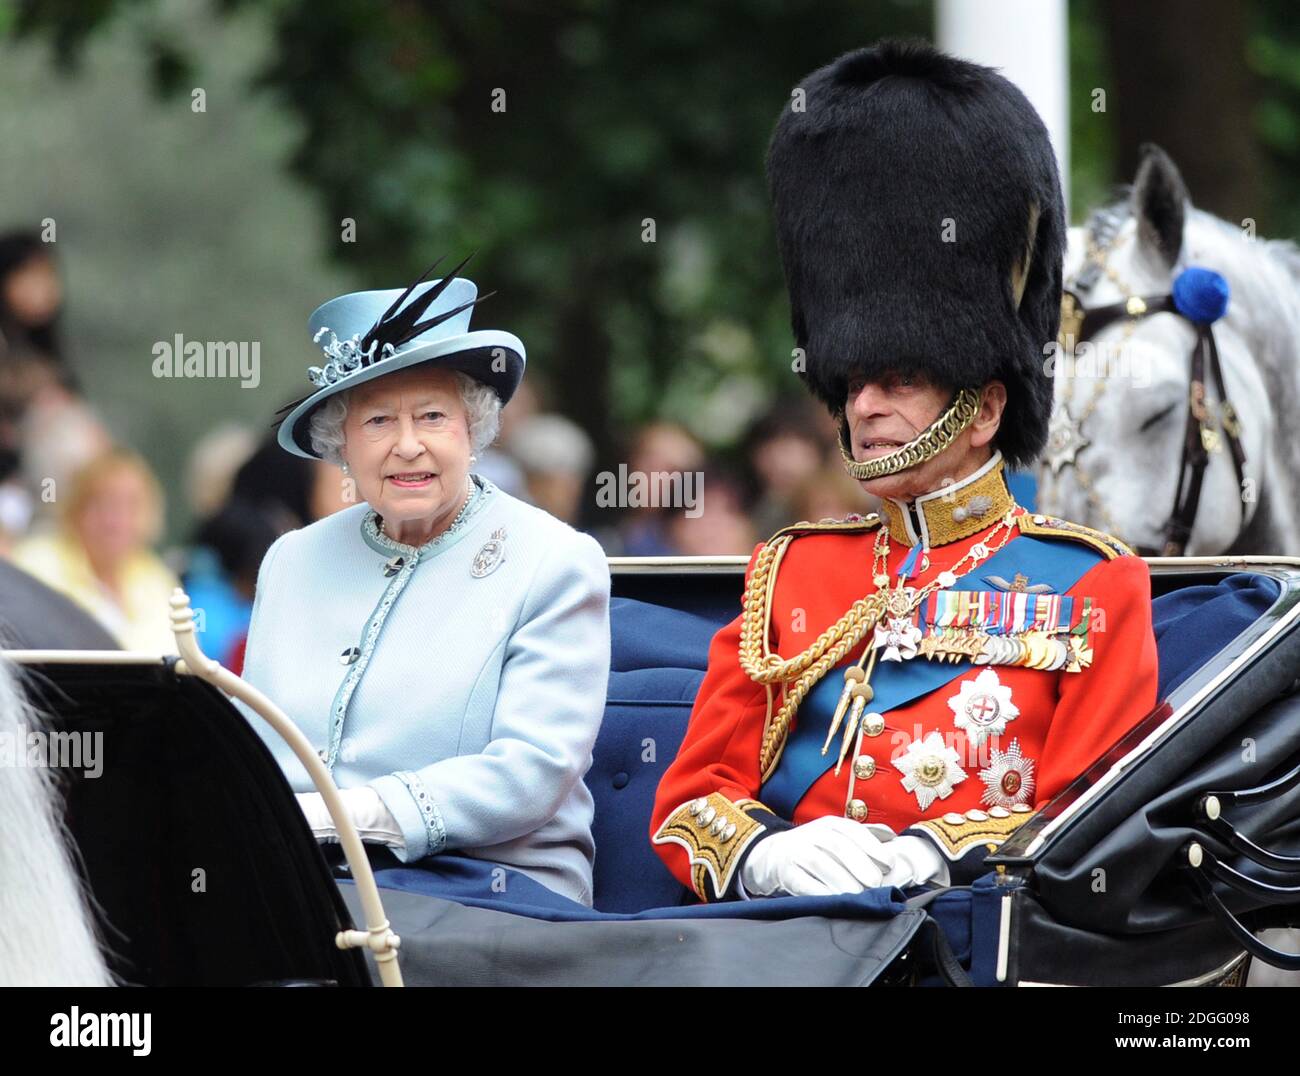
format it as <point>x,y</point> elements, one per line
<point>1061,564</point>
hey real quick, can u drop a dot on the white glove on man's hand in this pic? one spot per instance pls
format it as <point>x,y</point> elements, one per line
<point>373,820</point>
<point>837,855</point>
<point>916,861</point>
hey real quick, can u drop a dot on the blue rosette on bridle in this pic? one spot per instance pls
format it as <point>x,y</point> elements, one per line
<point>1201,295</point>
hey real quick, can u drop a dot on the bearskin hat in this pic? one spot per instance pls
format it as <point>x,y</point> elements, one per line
<point>921,227</point>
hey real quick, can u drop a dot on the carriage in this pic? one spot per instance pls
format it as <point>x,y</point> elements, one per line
<point>1174,859</point>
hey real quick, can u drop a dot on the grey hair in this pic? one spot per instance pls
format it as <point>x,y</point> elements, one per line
<point>482,413</point>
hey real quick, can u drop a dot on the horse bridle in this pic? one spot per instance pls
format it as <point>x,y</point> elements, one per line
<point>1079,325</point>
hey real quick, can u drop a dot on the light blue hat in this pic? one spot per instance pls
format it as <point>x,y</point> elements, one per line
<point>367,334</point>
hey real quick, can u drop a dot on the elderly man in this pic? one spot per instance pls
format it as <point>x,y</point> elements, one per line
<point>901,692</point>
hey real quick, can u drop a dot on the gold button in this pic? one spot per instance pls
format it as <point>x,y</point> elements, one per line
<point>857,810</point>
<point>864,766</point>
<point>873,724</point>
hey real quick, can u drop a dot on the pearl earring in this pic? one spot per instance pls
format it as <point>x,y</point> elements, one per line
<point>345,468</point>
<point>473,459</point>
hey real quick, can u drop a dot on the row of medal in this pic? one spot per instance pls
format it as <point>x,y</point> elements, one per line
<point>1035,631</point>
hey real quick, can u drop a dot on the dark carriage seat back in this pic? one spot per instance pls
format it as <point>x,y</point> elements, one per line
<point>658,659</point>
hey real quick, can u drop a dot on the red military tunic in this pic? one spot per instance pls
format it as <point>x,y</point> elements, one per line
<point>709,809</point>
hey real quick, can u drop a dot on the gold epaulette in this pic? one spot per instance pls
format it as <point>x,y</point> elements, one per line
<point>829,526</point>
<point>958,833</point>
<point>1040,526</point>
<point>714,831</point>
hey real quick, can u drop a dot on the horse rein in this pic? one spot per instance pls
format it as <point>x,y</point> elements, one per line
<point>1079,325</point>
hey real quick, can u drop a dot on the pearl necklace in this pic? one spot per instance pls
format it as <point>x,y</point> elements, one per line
<point>472,491</point>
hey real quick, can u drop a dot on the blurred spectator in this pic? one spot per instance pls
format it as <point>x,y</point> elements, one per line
<point>829,494</point>
<point>271,493</point>
<point>555,457</point>
<point>294,491</point>
<point>46,433</point>
<point>720,526</point>
<point>59,434</point>
<point>786,448</point>
<point>661,448</point>
<point>497,463</point>
<point>31,297</point>
<point>99,554</point>
<point>214,461</point>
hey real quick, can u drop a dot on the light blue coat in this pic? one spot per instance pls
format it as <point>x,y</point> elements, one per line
<point>464,679</point>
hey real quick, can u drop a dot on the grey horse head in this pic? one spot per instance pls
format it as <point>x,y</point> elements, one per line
<point>1122,399</point>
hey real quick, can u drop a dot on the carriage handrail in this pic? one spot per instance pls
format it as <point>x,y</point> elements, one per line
<point>1210,819</point>
<point>378,937</point>
<point>1200,865</point>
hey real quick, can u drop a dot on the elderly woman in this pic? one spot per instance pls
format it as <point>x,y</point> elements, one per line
<point>442,644</point>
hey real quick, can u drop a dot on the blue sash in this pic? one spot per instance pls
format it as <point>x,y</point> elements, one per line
<point>1060,564</point>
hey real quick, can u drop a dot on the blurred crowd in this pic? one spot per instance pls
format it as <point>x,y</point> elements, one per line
<point>84,512</point>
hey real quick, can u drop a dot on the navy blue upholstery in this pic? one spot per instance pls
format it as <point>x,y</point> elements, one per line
<point>1192,623</point>
<point>658,659</point>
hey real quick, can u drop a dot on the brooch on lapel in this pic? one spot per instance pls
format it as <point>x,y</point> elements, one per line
<point>490,555</point>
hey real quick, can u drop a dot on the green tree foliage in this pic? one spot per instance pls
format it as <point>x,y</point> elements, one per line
<point>556,139</point>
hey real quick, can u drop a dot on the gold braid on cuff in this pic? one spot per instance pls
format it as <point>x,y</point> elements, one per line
<point>714,831</point>
<point>957,838</point>
<point>924,446</point>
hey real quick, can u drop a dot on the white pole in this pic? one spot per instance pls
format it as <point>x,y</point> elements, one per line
<point>1027,40</point>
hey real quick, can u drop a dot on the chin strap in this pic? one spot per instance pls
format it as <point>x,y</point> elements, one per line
<point>936,437</point>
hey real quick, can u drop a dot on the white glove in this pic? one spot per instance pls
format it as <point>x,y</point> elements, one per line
<point>837,855</point>
<point>373,820</point>
<point>916,861</point>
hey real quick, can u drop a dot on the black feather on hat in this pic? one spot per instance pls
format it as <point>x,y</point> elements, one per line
<point>921,227</point>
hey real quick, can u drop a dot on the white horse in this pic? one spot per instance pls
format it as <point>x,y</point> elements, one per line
<point>1121,414</point>
<point>47,934</point>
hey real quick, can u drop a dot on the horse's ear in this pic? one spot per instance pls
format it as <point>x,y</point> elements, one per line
<point>1159,201</point>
